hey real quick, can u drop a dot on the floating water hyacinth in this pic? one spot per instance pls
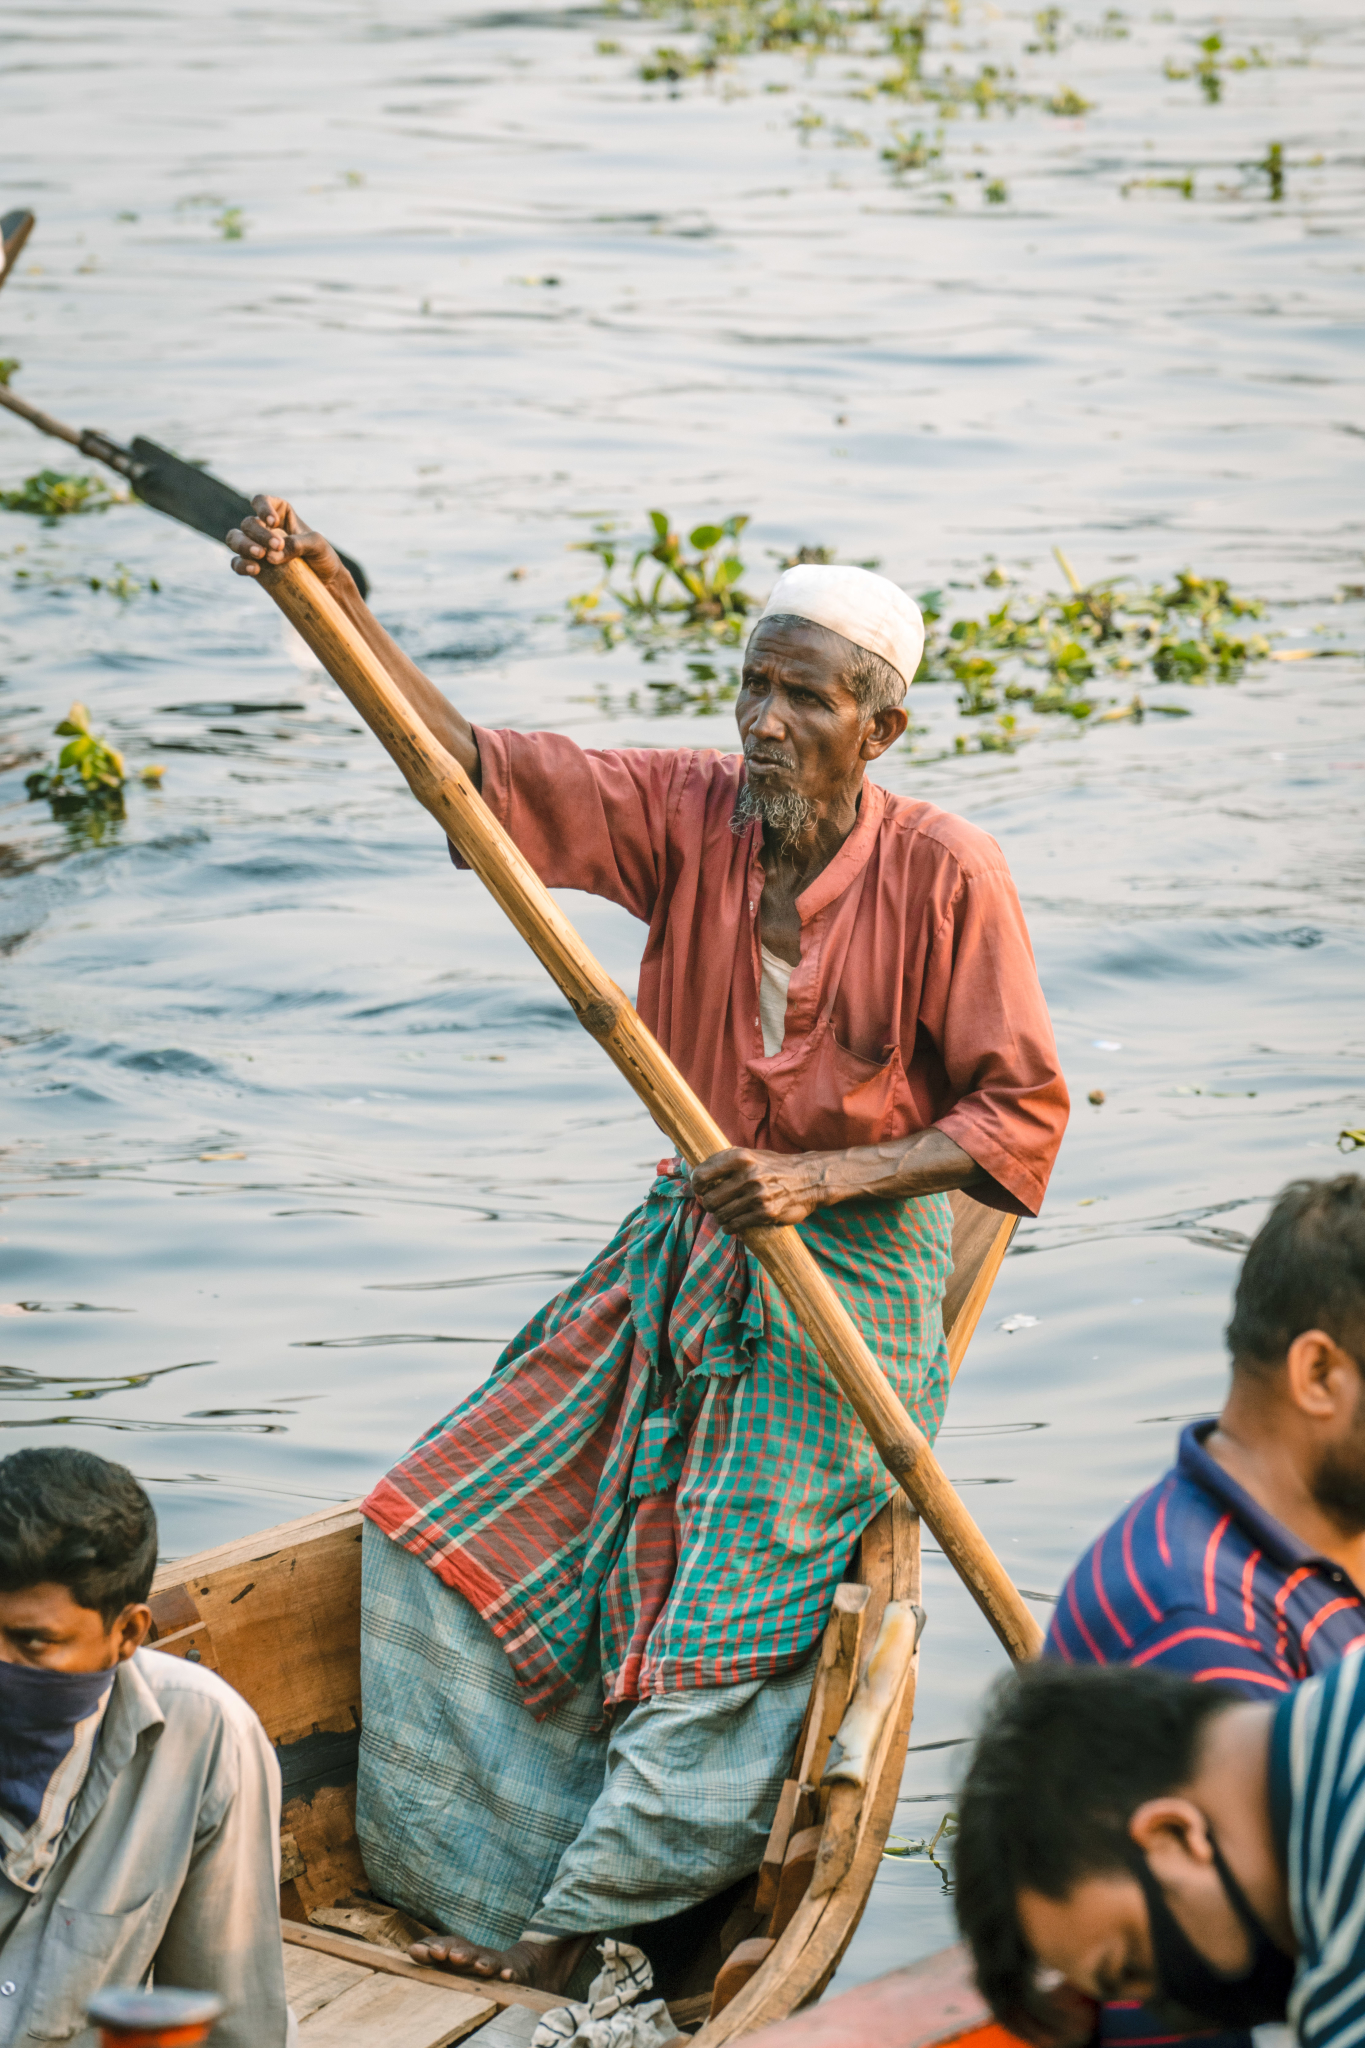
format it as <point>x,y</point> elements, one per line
<point>669,596</point>
<point>89,774</point>
<point>1055,654</point>
<point>51,496</point>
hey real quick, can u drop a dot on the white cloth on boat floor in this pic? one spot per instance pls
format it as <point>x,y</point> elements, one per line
<point>479,1819</point>
<point>608,2017</point>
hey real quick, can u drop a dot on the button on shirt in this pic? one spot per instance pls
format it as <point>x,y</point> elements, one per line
<point>915,1001</point>
<point>170,1859</point>
<point>1196,1578</point>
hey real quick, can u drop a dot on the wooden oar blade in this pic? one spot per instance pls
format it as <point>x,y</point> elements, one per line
<point>15,229</point>
<point>197,498</point>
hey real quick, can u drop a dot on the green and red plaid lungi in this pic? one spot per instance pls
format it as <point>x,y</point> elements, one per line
<point>661,1461</point>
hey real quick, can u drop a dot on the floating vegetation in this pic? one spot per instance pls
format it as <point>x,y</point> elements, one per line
<point>680,599</point>
<point>8,366</point>
<point>1184,186</point>
<point>906,153</point>
<point>1212,65</point>
<point>52,496</point>
<point>898,1850</point>
<point>122,584</point>
<point>1056,654</point>
<point>1271,166</point>
<point>231,221</point>
<point>1066,655</point>
<point>1067,103</point>
<point>89,774</point>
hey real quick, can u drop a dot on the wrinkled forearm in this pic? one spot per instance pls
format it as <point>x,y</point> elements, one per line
<point>929,1163</point>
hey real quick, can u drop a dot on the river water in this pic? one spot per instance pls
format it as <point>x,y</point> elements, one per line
<point>295,1133</point>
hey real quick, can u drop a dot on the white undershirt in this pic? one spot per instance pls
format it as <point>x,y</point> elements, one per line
<point>772,1000</point>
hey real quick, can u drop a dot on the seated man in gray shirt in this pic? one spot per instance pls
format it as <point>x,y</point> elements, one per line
<point>139,1796</point>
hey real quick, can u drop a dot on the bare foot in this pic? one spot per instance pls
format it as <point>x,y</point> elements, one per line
<point>544,1965</point>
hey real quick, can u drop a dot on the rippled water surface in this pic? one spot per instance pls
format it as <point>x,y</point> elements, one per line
<point>295,1132</point>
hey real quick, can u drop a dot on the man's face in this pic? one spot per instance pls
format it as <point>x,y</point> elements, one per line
<point>1100,1935</point>
<point>1097,1937</point>
<point>802,730</point>
<point>42,1625</point>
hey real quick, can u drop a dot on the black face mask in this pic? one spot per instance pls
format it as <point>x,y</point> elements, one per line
<point>1190,1983</point>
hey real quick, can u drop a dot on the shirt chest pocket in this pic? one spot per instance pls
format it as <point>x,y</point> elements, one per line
<point>81,1951</point>
<point>837,1099</point>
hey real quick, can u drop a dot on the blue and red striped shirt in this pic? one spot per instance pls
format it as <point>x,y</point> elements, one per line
<point>1196,1578</point>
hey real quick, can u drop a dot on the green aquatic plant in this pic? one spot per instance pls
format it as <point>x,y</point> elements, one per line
<point>906,153</point>
<point>1184,186</point>
<point>122,584</point>
<point>231,223</point>
<point>1058,654</point>
<point>1212,64</point>
<point>1271,164</point>
<point>680,597</point>
<point>88,772</point>
<point>52,496</point>
<point>8,366</point>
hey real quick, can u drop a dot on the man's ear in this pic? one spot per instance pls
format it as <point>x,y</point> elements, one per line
<point>1172,1833</point>
<point>1322,1380</point>
<point>884,728</point>
<point>130,1631</point>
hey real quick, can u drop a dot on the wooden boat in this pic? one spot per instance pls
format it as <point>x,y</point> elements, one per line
<point>278,1615</point>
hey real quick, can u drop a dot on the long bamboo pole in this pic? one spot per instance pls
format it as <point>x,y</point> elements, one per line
<point>441,785</point>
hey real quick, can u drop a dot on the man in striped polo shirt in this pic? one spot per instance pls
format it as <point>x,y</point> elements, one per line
<point>1243,1566</point>
<point>1130,1832</point>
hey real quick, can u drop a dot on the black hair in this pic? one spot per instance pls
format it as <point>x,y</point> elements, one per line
<point>869,678</point>
<point>1064,1758</point>
<point>1305,1271</point>
<point>68,1518</point>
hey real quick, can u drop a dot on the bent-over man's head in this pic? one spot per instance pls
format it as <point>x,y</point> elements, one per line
<point>1297,1339</point>
<point>825,672</point>
<point>1115,1842</point>
<point>77,1555</point>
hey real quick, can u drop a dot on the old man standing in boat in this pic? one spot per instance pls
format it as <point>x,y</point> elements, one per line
<point>592,1594</point>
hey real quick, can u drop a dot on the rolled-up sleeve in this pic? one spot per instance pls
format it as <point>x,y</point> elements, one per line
<point>584,818</point>
<point>984,1005</point>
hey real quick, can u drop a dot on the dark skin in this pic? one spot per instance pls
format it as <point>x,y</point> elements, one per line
<point>1099,1935</point>
<point>803,732</point>
<point>45,1627</point>
<point>1279,1428</point>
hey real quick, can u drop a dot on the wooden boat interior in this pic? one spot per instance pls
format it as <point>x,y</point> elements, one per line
<point>278,1616</point>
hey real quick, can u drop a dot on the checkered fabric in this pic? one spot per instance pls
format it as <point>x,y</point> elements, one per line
<point>661,1459</point>
<point>479,1818</point>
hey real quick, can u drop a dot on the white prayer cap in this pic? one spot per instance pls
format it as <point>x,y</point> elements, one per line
<point>869,610</point>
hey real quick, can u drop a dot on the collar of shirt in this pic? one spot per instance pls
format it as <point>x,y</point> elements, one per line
<point>133,1715</point>
<point>832,880</point>
<point>1194,1463</point>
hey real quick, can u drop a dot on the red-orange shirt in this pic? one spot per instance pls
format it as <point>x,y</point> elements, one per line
<point>916,1000</point>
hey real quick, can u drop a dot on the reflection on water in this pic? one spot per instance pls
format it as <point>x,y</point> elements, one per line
<point>265,1053</point>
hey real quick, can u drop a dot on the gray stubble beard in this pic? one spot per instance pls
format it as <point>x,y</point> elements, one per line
<point>784,816</point>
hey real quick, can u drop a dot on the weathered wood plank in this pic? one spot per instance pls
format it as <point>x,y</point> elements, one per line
<point>385,2009</point>
<point>389,1964</point>
<point>312,1980</point>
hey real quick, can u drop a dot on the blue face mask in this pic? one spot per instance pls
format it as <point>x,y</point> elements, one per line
<point>41,1713</point>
